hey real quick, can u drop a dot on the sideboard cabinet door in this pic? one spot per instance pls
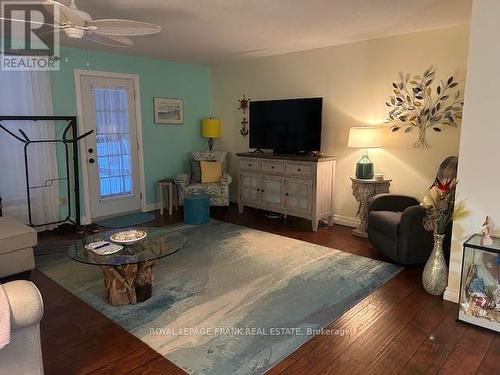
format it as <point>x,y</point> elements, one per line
<point>273,191</point>
<point>298,196</point>
<point>250,187</point>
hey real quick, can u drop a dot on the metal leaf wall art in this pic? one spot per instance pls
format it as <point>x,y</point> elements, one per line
<point>423,102</point>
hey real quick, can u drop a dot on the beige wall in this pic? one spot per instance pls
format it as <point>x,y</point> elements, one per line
<point>354,80</point>
<point>478,173</point>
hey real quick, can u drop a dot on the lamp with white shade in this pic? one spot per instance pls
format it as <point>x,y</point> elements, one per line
<point>364,137</point>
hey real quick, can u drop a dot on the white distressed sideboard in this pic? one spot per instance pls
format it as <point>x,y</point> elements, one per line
<point>290,185</point>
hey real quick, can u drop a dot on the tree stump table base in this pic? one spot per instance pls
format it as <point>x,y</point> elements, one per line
<point>128,284</point>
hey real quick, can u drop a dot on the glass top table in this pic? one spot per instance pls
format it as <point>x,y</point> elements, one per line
<point>128,273</point>
<point>159,243</point>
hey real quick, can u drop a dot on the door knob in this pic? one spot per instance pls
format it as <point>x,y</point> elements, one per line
<point>91,161</point>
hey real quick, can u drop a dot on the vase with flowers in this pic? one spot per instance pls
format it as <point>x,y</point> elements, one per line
<point>441,210</point>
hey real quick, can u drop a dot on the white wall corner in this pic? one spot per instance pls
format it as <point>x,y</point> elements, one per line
<point>451,295</point>
<point>346,221</point>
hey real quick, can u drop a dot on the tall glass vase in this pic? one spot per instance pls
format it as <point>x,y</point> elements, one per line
<point>435,275</point>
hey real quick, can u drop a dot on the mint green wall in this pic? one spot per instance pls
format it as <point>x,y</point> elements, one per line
<point>165,146</point>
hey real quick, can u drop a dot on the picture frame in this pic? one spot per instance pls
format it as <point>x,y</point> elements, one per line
<point>168,110</point>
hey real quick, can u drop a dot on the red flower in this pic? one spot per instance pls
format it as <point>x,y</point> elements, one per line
<point>443,186</point>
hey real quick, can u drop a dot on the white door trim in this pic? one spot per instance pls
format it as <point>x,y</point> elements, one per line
<point>78,73</point>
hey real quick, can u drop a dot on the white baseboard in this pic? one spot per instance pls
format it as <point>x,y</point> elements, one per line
<point>346,221</point>
<point>337,219</point>
<point>84,220</point>
<point>451,295</point>
<point>152,206</point>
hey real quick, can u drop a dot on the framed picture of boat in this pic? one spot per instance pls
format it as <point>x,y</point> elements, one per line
<point>168,111</point>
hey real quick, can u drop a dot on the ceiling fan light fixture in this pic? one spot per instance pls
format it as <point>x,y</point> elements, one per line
<point>74,32</point>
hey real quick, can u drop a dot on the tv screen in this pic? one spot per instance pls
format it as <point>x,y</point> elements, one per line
<point>286,126</point>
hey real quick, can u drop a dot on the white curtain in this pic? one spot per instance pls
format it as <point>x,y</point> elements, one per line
<point>113,141</point>
<point>28,93</point>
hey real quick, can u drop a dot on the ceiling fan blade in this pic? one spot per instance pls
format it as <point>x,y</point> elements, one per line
<point>31,22</point>
<point>124,27</point>
<point>68,15</point>
<point>109,40</point>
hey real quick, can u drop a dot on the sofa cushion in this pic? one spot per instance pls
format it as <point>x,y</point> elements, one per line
<point>212,189</point>
<point>220,156</point>
<point>15,235</point>
<point>386,222</point>
<point>195,171</point>
<point>211,171</point>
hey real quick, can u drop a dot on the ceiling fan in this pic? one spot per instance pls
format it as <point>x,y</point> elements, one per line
<point>77,24</point>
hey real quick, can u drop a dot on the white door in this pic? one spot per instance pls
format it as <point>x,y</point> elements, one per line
<point>273,192</point>
<point>112,160</point>
<point>298,196</point>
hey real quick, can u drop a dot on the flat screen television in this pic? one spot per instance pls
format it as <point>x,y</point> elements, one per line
<point>289,126</point>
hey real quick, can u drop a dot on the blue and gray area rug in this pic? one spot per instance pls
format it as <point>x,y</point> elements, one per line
<point>234,300</point>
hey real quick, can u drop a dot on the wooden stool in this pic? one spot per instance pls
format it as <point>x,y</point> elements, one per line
<point>172,198</point>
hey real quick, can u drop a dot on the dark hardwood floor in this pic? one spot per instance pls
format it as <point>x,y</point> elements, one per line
<point>397,329</point>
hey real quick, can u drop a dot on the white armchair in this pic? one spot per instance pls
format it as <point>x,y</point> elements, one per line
<point>23,355</point>
<point>218,192</point>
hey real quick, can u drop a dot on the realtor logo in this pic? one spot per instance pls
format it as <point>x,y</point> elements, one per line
<point>30,39</point>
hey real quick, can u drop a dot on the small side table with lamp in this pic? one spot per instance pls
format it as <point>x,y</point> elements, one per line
<point>365,185</point>
<point>210,128</point>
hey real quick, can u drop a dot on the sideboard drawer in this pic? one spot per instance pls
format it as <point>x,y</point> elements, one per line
<point>250,164</point>
<point>273,166</point>
<point>299,169</point>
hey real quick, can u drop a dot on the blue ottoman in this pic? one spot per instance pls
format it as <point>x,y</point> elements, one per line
<point>196,209</point>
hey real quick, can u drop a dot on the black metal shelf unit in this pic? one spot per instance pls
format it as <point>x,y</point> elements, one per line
<point>65,141</point>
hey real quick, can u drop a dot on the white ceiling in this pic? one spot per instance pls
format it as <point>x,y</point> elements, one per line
<point>208,31</point>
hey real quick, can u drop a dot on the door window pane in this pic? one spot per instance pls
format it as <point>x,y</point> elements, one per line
<point>114,159</point>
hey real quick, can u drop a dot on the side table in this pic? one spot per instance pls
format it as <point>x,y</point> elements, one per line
<point>168,185</point>
<point>364,190</point>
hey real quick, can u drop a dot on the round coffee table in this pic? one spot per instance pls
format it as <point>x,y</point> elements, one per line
<point>128,274</point>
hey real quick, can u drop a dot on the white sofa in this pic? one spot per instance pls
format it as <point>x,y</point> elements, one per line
<point>23,355</point>
<point>16,247</point>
